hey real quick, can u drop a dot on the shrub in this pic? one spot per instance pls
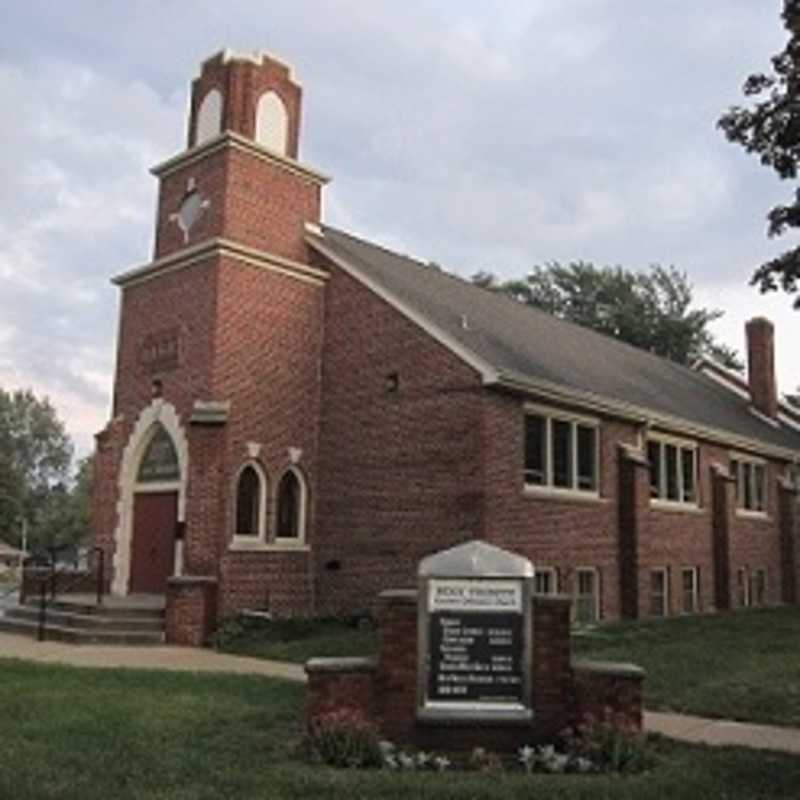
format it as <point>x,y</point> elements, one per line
<point>345,739</point>
<point>608,744</point>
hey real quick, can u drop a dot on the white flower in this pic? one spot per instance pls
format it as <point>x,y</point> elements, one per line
<point>406,762</point>
<point>422,759</point>
<point>386,747</point>
<point>583,765</point>
<point>389,761</point>
<point>441,763</point>
<point>527,756</point>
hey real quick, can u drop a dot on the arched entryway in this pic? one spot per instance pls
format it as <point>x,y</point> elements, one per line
<point>152,501</point>
<point>155,514</point>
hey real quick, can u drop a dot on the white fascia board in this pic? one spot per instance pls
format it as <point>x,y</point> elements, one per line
<point>233,140</point>
<point>194,254</point>
<point>489,375</point>
<point>723,381</point>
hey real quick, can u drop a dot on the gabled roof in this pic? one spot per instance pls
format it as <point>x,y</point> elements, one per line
<point>514,344</point>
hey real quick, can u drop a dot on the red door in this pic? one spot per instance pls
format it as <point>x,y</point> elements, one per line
<point>154,519</point>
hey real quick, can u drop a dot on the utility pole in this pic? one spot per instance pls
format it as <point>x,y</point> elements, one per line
<point>24,547</point>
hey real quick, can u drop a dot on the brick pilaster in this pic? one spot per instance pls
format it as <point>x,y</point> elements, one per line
<point>787,522</point>
<point>722,509</point>
<point>634,473</point>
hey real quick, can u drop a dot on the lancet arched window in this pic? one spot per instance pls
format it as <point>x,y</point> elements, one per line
<point>251,498</point>
<point>291,510</point>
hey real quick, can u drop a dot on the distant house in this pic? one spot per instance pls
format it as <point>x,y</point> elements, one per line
<point>10,557</point>
<point>300,415</point>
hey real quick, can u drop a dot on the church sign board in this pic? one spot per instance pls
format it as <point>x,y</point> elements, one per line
<point>474,635</point>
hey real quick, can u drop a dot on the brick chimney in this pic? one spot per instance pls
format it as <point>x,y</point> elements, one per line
<point>761,366</point>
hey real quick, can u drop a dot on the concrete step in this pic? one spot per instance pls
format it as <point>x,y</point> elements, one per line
<point>56,615</point>
<point>62,633</point>
<point>107,610</point>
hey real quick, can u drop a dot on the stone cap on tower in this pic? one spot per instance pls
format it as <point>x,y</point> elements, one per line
<point>253,95</point>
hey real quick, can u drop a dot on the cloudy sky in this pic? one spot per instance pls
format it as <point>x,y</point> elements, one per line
<point>479,135</point>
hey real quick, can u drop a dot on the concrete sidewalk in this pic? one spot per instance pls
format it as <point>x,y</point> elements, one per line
<point>685,728</point>
<point>721,732</point>
<point>184,659</point>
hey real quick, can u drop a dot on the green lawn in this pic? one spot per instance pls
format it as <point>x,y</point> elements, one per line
<point>744,665</point>
<point>297,640</point>
<point>79,734</point>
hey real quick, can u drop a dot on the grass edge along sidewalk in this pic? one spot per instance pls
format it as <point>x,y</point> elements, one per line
<point>743,665</point>
<point>87,734</point>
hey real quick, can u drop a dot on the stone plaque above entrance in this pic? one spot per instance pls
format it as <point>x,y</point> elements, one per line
<point>474,634</point>
<point>161,351</point>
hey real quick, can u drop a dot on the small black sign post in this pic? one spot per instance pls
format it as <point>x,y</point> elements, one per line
<point>475,634</point>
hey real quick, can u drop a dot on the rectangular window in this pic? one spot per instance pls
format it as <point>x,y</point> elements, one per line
<point>659,590</point>
<point>654,457</point>
<point>673,471</point>
<point>587,607</point>
<point>742,588</point>
<point>689,604</point>
<point>758,587</point>
<point>561,453</point>
<point>535,452</point>
<point>545,580</point>
<point>751,484</point>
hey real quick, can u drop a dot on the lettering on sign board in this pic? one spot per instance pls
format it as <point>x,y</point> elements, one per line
<point>475,640</point>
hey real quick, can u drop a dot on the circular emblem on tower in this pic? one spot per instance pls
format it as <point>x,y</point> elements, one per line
<point>193,206</point>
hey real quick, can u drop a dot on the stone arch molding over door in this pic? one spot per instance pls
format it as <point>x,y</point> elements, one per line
<point>157,413</point>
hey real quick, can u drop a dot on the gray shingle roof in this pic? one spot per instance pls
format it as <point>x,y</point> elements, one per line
<point>526,344</point>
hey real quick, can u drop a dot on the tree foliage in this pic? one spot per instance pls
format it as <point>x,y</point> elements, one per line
<point>651,310</point>
<point>770,129</point>
<point>35,478</point>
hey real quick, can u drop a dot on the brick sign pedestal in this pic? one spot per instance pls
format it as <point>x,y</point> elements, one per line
<point>388,691</point>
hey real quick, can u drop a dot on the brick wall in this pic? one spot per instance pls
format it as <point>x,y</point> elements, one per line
<point>190,615</point>
<point>552,531</point>
<point>241,83</point>
<point>400,471</point>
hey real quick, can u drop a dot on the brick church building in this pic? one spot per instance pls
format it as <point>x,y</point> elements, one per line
<point>299,416</point>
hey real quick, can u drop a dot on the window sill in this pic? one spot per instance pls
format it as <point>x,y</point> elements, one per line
<point>287,546</point>
<point>756,516</point>
<point>564,495</point>
<point>672,506</point>
<point>247,545</point>
<point>239,546</point>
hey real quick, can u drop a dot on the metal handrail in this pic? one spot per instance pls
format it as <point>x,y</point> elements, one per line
<point>52,579</point>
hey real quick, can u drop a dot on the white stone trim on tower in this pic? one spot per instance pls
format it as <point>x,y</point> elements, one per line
<point>162,412</point>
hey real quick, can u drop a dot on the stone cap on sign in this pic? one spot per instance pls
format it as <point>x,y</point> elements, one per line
<point>476,559</point>
<point>341,664</point>
<point>611,669</point>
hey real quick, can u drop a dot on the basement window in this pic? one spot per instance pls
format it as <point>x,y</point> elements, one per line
<point>758,587</point>
<point>561,452</point>
<point>673,471</point>
<point>659,592</point>
<point>742,588</point>
<point>689,590</point>
<point>751,483</point>
<point>545,581</point>
<point>586,606</point>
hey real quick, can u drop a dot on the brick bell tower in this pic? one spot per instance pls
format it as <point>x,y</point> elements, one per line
<point>218,357</point>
